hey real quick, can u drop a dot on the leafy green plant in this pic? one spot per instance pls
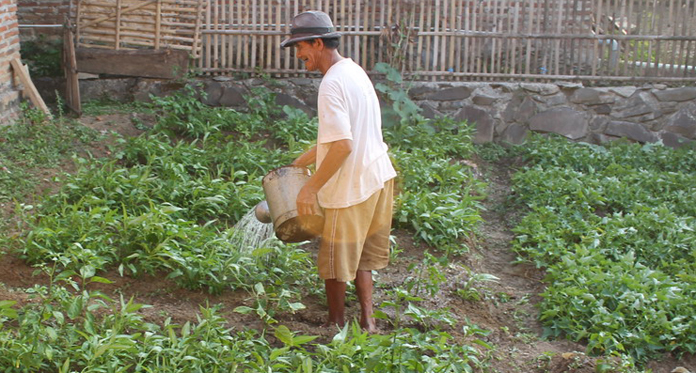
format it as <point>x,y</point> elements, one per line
<point>611,227</point>
<point>267,304</point>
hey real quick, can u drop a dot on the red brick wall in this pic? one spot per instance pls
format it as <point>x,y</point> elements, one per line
<point>9,49</point>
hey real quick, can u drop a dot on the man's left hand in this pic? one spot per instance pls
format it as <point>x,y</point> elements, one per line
<point>306,201</point>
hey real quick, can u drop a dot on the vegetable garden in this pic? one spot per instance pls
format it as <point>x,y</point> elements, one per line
<point>612,226</point>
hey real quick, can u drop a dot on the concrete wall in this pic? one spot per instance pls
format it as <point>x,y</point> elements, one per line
<point>9,49</point>
<point>501,112</point>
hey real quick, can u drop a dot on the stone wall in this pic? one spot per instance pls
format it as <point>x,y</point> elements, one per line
<point>9,49</point>
<point>507,112</point>
<point>501,112</point>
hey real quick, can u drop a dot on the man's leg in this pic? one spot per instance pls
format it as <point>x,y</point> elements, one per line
<point>363,287</point>
<point>336,299</point>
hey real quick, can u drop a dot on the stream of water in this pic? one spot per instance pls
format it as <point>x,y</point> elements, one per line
<point>250,234</point>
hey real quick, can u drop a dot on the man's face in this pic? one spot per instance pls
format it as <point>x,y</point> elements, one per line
<point>309,52</point>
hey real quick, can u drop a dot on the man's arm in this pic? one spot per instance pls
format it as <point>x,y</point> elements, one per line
<point>307,158</point>
<point>337,154</point>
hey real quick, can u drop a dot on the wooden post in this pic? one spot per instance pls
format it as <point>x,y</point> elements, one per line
<point>29,89</point>
<point>72,86</point>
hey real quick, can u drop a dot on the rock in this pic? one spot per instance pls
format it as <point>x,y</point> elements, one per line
<point>591,96</point>
<point>567,122</point>
<point>554,100</point>
<point>668,107</point>
<point>213,91</point>
<point>601,109</point>
<point>542,89</point>
<point>451,94</point>
<point>285,99</point>
<point>683,122</point>
<point>676,94</point>
<point>422,91</point>
<point>484,132</point>
<point>484,100</point>
<point>428,111</point>
<point>474,115</point>
<point>624,91</point>
<point>515,134</point>
<point>680,370</point>
<point>639,104</point>
<point>520,109</point>
<point>599,124</point>
<point>232,96</point>
<point>674,140</point>
<point>302,82</point>
<point>221,78</point>
<point>569,85</point>
<point>631,131</point>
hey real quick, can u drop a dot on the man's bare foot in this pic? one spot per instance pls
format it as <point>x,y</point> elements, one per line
<point>369,326</point>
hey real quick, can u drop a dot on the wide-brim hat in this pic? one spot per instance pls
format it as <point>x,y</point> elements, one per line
<point>310,25</point>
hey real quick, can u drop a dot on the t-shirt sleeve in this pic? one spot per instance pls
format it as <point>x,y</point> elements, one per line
<point>334,120</point>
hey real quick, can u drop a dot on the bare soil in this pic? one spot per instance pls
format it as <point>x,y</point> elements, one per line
<point>507,308</point>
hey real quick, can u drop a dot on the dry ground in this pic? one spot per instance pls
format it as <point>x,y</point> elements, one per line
<point>507,309</point>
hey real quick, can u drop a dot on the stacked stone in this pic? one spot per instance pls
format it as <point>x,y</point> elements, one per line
<point>9,49</point>
<point>501,112</point>
<point>506,112</point>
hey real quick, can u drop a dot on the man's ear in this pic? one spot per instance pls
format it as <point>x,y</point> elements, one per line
<point>319,43</point>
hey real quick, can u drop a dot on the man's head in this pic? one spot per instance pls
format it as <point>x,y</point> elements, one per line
<point>312,25</point>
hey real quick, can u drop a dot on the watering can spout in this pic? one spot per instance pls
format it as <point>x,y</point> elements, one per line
<point>262,213</point>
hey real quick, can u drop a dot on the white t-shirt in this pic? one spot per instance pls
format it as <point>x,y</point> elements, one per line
<point>348,108</point>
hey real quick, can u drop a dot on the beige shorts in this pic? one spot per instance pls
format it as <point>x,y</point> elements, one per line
<point>357,237</point>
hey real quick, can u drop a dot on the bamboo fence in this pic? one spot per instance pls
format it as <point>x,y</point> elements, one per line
<point>140,24</point>
<point>543,40</point>
<point>618,40</point>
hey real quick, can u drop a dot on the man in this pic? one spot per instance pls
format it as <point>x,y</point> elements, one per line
<point>354,177</point>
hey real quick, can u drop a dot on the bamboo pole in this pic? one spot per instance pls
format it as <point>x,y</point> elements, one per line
<point>134,7</point>
<point>690,18</point>
<point>428,26</point>
<point>458,45</point>
<point>559,23</point>
<point>467,15</point>
<point>515,30</point>
<point>158,24</point>
<point>421,27</point>
<point>436,38</point>
<point>117,37</point>
<point>530,25</point>
<point>208,37</point>
<point>383,26</point>
<point>286,16</point>
<point>356,27</point>
<point>254,23</point>
<point>673,46</point>
<point>215,46</point>
<point>278,21</point>
<point>639,19</point>
<point>478,8</point>
<point>240,37</point>
<point>658,44</point>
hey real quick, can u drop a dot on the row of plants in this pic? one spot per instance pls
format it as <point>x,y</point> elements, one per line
<point>80,330</point>
<point>614,227</point>
<point>167,202</point>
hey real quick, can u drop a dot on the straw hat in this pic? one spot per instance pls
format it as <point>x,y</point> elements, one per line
<point>310,25</point>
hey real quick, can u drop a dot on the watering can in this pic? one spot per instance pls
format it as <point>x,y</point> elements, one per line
<point>281,187</point>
